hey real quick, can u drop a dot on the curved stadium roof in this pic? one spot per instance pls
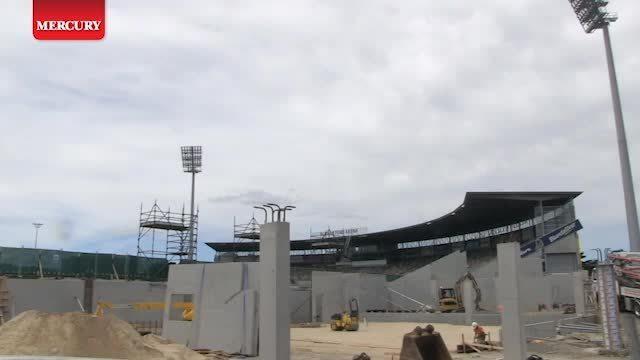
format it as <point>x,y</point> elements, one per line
<point>479,211</point>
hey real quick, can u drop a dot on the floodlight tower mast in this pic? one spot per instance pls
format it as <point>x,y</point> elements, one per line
<point>37,227</point>
<point>593,15</point>
<point>192,163</point>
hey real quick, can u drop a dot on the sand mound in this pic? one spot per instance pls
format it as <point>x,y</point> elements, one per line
<point>170,350</point>
<point>82,335</point>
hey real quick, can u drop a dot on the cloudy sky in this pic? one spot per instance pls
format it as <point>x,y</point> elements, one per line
<point>362,113</point>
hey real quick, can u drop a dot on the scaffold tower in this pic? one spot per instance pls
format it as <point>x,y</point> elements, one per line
<point>249,231</point>
<point>165,234</point>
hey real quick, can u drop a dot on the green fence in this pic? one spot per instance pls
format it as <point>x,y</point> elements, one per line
<point>57,263</point>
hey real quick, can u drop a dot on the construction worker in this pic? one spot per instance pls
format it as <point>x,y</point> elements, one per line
<point>479,335</point>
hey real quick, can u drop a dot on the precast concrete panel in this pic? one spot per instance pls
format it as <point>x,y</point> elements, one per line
<point>417,285</point>
<point>488,291</point>
<point>535,291</point>
<point>49,295</point>
<point>531,266</point>
<point>486,269</point>
<point>327,289</point>
<point>373,292</point>
<point>182,279</point>
<point>562,288</point>
<point>300,305</point>
<point>450,267</point>
<point>128,292</point>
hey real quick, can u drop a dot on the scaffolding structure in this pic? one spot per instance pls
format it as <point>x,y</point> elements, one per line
<point>249,231</point>
<point>165,234</point>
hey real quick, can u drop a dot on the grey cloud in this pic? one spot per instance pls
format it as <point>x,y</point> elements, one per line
<point>252,198</point>
<point>379,114</point>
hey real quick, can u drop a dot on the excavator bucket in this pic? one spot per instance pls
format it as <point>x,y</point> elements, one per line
<point>420,345</point>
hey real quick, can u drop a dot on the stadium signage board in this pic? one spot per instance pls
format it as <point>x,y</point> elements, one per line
<point>69,19</point>
<point>336,233</point>
<point>561,232</point>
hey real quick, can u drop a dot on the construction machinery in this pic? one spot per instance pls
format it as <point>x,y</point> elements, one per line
<point>627,268</point>
<point>187,307</point>
<point>450,299</point>
<point>349,321</point>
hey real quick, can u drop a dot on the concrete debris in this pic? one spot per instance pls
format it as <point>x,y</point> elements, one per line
<point>82,335</point>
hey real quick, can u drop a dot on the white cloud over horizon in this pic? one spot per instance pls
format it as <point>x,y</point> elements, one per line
<point>362,113</point>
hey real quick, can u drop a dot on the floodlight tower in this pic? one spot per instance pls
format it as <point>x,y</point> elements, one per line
<point>37,227</point>
<point>191,163</point>
<point>593,15</point>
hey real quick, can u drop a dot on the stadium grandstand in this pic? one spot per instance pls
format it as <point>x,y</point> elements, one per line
<point>544,223</point>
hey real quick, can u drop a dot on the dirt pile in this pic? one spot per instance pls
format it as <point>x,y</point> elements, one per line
<point>83,335</point>
<point>170,350</point>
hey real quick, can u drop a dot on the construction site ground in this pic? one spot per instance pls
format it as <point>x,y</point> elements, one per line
<point>383,340</point>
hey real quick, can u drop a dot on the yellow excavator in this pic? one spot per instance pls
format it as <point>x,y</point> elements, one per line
<point>349,321</point>
<point>450,299</point>
<point>187,307</point>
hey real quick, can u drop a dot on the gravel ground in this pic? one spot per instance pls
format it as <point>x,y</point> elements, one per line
<point>382,340</point>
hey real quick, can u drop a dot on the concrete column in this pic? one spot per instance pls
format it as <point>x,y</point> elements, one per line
<point>609,311</point>
<point>578,292</point>
<point>513,339</point>
<point>274,291</point>
<point>468,296</point>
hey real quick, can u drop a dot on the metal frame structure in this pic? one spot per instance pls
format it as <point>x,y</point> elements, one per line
<point>249,231</point>
<point>176,229</point>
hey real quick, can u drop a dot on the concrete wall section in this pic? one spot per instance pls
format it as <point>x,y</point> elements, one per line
<point>562,288</point>
<point>333,291</point>
<point>300,305</point>
<point>535,291</point>
<point>488,292</point>
<point>450,267</point>
<point>418,285</point>
<point>127,292</point>
<point>368,289</point>
<point>486,269</point>
<point>531,266</point>
<point>327,294</point>
<point>182,279</point>
<point>225,307</point>
<point>50,295</point>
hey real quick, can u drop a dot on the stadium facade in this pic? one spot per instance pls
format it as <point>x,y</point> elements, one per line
<point>544,223</point>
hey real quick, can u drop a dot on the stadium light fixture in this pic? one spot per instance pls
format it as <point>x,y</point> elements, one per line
<point>593,15</point>
<point>191,163</point>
